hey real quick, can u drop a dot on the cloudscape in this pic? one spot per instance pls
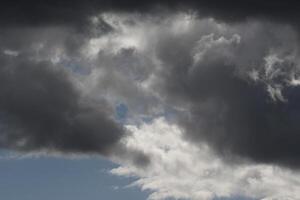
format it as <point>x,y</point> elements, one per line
<point>193,99</point>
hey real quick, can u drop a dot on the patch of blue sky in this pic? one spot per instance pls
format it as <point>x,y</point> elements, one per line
<point>168,113</point>
<point>51,178</point>
<point>234,198</point>
<point>121,111</point>
<point>76,67</point>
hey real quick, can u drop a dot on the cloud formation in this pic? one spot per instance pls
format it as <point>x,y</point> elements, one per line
<point>42,110</point>
<point>232,86</point>
<point>64,12</point>
<point>230,90</point>
<point>48,101</point>
<point>183,171</point>
<point>236,95</point>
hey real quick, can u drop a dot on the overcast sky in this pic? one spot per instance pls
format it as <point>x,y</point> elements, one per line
<point>158,100</point>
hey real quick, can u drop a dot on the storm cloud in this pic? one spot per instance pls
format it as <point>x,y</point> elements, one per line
<point>233,86</point>
<point>240,97</point>
<point>42,110</point>
<point>75,75</point>
<point>55,12</point>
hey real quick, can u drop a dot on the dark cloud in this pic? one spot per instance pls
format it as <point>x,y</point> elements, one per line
<point>41,109</point>
<point>64,12</point>
<point>208,82</point>
<point>239,117</point>
<point>45,105</point>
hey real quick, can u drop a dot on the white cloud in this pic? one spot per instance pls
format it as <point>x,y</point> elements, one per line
<point>126,66</point>
<point>207,42</point>
<point>180,169</point>
<point>12,53</point>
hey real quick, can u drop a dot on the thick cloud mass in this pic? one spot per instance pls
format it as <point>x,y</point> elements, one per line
<point>234,87</point>
<point>182,170</point>
<point>42,110</point>
<point>227,74</point>
<point>238,116</point>
<point>256,119</point>
<point>56,12</point>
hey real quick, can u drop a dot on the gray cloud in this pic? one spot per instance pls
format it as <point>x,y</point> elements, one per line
<point>45,104</point>
<point>209,82</point>
<point>182,170</point>
<point>214,77</point>
<point>41,109</point>
<point>233,86</point>
<point>75,13</point>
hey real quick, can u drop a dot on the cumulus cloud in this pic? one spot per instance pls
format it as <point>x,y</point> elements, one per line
<point>42,109</point>
<point>182,170</point>
<point>232,87</point>
<point>47,104</point>
<point>229,92</point>
<point>226,84</point>
<point>75,13</point>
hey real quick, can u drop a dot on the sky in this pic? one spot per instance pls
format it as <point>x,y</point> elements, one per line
<point>154,100</point>
<point>48,178</point>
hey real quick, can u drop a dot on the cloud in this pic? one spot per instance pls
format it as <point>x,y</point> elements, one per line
<point>42,109</point>
<point>77,13</point>
<point>233,86</point>
<point>207,79</point>
<point>182,170</point>
<point>231,91</point>
<point>227,84</point>
<point>47,104</point>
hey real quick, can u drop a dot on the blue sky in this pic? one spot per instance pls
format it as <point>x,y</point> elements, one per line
<point>48,178</point>
<point>62,179</point>
<point>51,178</point>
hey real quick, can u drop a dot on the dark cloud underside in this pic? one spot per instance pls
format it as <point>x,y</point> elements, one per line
<point>63,12</point>
<point>41,109</point>
<point>224,107</point>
